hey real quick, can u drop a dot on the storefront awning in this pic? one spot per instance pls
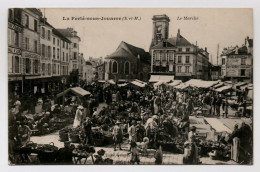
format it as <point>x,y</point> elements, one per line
<point>78,91</point>
<point>162,78</point>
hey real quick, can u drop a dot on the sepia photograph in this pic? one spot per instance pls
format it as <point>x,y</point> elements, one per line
<point>130,86</point>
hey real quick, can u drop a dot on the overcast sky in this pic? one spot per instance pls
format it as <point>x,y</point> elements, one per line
<point>225,27</point>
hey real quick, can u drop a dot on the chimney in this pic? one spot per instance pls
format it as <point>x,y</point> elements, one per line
<point>206,49</point>
<point>178,34</point>
<point>45,19</point>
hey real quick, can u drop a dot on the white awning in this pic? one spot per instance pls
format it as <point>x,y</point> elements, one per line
<point>138,83</point>
<point>224,88</point>
<point>182,86</point>
<point>163,78</point>
<point>201,83</point>
<point>217,125</point>
<point>175,83</point>
<point>122,85</point>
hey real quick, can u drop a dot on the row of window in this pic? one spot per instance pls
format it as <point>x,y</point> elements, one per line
<point>44,34</point>
<point>179,58</point>
<point>243,61</point>
<point>114,66</point>
<point>26,65</point>
<point>179,69</point>
<point>180,50</point>
<point>164,56</point>
<point>27,23</point>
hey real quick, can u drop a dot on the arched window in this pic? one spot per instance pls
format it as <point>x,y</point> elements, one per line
<point>114,67</point>
<point>127,67</point>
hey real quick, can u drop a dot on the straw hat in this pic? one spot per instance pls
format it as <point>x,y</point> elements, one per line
<point>80,107</point>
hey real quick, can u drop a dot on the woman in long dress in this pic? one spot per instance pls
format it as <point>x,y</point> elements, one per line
<point>78,117</point>
<point>194,149</point>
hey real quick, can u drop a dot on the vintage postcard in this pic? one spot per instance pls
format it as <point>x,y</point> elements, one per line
<point>130,86</point>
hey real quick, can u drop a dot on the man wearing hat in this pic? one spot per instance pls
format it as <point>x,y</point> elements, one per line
<point>117,135</point>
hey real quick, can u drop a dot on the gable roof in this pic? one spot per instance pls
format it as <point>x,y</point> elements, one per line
<point>173,42</point>
<point>160,45</point>
<point>122,54</point>
<point>241,50</point>
<point>131,49</point>
<point>67,33</point>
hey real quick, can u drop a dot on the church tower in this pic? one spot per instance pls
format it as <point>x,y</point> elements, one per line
<point>160,28</point>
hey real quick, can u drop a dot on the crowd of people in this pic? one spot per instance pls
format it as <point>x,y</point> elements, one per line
<point>139,113</point>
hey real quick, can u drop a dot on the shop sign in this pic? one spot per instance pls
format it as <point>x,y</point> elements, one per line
<point>14,50</point>
<point>31,55</point>
<point>14,27</point>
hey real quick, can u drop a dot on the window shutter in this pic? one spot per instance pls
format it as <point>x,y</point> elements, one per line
<point>10,63</point>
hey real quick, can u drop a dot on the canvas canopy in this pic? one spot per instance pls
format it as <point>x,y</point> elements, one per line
<point>78,91</point>
<point>224,88</point>
<point>160,83</point>
<point>217,125</point>
<point>111,82</point>
<point>122,85</point>
<point>175,83</point>
<point>182,86</point>
<point>201,83</point>
<point>162,78</point>
<point>138,83</point>
<point>218,85</point>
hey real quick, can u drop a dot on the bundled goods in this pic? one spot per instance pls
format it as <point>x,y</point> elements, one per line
<point>98,138</point>
<point>64,134</point>
<point>47,152</point>
<point>28,148</point>
<point>74,135</point>
<point>108,137</point>
<point>215,150</point>
<point>84,150</point>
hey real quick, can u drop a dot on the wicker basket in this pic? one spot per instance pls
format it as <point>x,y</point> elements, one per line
<point>98,142</point>
<point>74,138</point>
<point>64,136</point>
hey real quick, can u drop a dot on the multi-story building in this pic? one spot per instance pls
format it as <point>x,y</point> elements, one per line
<point>176,56</point>
<point>71,35</point>
<point>15,65</point>
<point>46,55</point>
<point>87,72</point>
<point>29,18</point>
<point>237,62</point>
<point>60,57</point>
<point>127,62</point>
